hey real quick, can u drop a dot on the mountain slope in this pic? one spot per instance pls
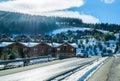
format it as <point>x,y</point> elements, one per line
<point>23,23</point>
<point>17,23</point>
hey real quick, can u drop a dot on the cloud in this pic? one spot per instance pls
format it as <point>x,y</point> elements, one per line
<point>47,8</point>
<point>39,5</point>
<point>108,1</point>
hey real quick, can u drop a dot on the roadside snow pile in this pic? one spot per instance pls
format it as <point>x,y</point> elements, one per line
<point>42,60</point>
<point>85,73</point>
<point>2,67</point>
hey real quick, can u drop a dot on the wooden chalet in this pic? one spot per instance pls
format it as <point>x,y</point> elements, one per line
<point>39,49</point>
<point>4,45</point>
<point>66,50</point>
<point>43,49</point>
<point>22,49</point>
<point>30,49</point>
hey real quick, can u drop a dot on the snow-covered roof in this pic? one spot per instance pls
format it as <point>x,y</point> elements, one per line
<point>50,44</point>
<point>53,44</point>
<point>4,44</point>
<point>56,44</point>
<point>74,45</point>
<point>30,44</point>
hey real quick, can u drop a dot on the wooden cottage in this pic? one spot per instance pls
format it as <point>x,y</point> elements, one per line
<point>27,50</point>
<point>39,49</point>
<point>4,45</point>
<point>21,49</point>
<point>30,50</point>
<point>43,49</point>
<point>66,50</point>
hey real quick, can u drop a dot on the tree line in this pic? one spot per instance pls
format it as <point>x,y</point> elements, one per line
<point>17,23</point>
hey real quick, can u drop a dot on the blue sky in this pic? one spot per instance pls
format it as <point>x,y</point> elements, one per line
<point>90,11</point>
<point>107,13</point>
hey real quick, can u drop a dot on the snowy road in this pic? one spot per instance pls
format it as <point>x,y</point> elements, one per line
<point>86,72</point>
<point>43,73</point>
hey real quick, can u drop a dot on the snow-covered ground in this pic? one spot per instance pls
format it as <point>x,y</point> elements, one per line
<point>2,67</point>
<point>43,73</point>
<point>85,73</point>
<point>93,46</point>
<point>75,29</point>
<point>70,28</point>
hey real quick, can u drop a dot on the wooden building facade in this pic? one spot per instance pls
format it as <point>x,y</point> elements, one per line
<point>30,49</point>
<point>66,50</point>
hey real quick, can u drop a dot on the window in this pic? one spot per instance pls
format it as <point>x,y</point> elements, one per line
<point>24,49</point>
<point>49,50</point>
<point>42,51</point>
<point>72,49</point>
<point>35,50</point>
<point>58,49</point>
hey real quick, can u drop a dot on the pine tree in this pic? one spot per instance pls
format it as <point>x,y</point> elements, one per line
<point>14,53</point>
<point>119,41</point>
<point>4,54</point>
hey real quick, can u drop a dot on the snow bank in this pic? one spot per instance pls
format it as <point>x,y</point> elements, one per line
<point>85,73</point>
<point>95,68</point>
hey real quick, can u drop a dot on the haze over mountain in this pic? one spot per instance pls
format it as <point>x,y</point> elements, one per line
<point>36,16</point>
<point>23,23</point>
<point>18,23</point>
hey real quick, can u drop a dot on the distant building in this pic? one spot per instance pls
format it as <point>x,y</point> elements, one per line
<point>22,38</point>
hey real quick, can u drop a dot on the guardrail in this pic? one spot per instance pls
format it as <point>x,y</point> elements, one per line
<point>8,64</point>
<point>22,59</point>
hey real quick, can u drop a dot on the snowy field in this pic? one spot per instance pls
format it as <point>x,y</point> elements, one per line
<point>75,29</point>
<point>44,73</point>
<point>70,28</point>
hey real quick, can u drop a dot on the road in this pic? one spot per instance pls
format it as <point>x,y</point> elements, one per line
<point>44,73</point>
<point>110,71</point>
<point>114,74</point>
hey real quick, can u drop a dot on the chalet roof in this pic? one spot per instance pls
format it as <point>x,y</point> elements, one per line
<point>74,45</point>
<point>54,44</point>
<point>50,44</point>
<point>4,44</point>
<point>29,44</point>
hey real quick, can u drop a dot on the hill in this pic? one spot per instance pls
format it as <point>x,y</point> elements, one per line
<point>18,23</point>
